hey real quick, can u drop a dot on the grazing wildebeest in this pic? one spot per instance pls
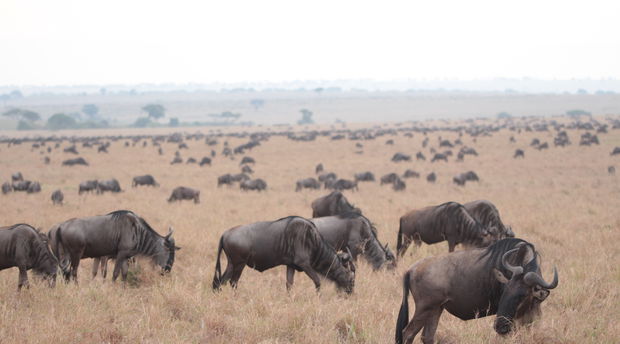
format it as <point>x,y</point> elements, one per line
<point>34,187</point>
<point>6,188</point>
<point>180,193</point>
<point>365,177</point>
<point>431,177</point>
<point>17,177</point>
<point>543,146</point>
<point>448,221</point>
<point>89,185</point>
<point>240,177</point>
<point>326,176</point>
<point>76,161</point>
<point>246,169</point>
<point>111,185</point>
<point>318,169</point>
<point>307,183</point>
<point>191,161</point>
<point>71,149</point>
<point>440,156</point>
<point>177,160</point>
<point>399,185</point>
<point>503,279</point>
<point>611,170</point>
<point>225,179</point>
<point>519,153</point>
<point>24,247</point>
<point>401,157</point>
<point>344,184</point>
<point>256,184</point>
<point>420,156</point>
<point>354,233</point>
<point>121,234</point>
<point>247,160</point>
<point>292,241</point>
<point>464,177</point>
<point>487,214</point>
<point>21,185</point>
<point>388,178</point>
<point>616,151</point>
<point>146,179</point>
<point>411,174</point>
<point>332,204</point>
<point>57,197</point>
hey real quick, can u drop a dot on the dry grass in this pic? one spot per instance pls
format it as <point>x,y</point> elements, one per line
<point>562,200</point>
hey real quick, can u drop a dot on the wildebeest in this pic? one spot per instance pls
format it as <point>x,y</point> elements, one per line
<point>246,169</point>
<point>71,149</point>
<point>344,184</point>
<point>616,151</point>
<point>464,177</point>
<point>327,176</point>
<point>332,204</point>
<point>503,279</point>
<point>177,160</point>
<point>611,170</point>
<point>388,178</point>
<point>205,161</point>
<point>191,161</point>
<point>121,234</point>
<point>24,247</point>
<point>6,188</point>
<point>440,156</point>
<point>146,179</point>
<point>89,185</point>
<point>292,241</point>
<point>399,185</point>
<point>76,161</point>
<point>247,160</point>
<point>182,192</point>
<point>487,214</point>
<point>431,177</point>
<point>519,153</point>
<point>318,169</point>
<point>34,187</point>
<point>224,179</point>
<point>354,233</point>
<point>448,221</point>
<point>401,157</point>
<point>21,185</point>
<point>411,174</point>
<point>365,177</point>
<point>57,197</point>
<point>17,177</point>
<point>111,185</point>
<point>307,183</point>
<point>255,184</point>
<point>420,156</point>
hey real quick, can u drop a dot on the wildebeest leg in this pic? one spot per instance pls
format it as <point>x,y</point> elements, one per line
<point>96,262</point>
<point>451,245</point>
<point>430,327</point>
<point>236,274</point>
<point>405,245</point>
<point>104,267</point>
<point>75,263</point>
<point>23,278</point>
<point>290,275</point>
<point>124,269</point>
<point>415,325</point>
<point>120,260</point>
<point>313,276</point>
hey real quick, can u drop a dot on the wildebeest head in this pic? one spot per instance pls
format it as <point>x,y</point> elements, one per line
<point>524,291</point>
<point>46,265</point>
<point>348,282</point>
<point>391,258</point>
<point>343,206</point>
<point>165,258</point>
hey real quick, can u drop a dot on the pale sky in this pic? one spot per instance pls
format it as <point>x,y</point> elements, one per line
<point>64,42</point>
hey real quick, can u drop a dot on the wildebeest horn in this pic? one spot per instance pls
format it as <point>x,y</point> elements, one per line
<point>170,231</point>
<point>532,278</point>
<point>514,269</point>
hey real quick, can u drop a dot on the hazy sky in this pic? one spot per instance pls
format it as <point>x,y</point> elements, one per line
<point>57,42</point>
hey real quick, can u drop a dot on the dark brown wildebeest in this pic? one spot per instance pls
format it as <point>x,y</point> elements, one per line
<point>146,179</point>
<point>191,161</point>
<point>318,169</point>
<point>365,177</point>
<point>504,279</point>
<point>326,176</point>
<point>111,185</point>
<point>420,156</point>
<point>121,234</point>
<point>246,169</point>
<point>76,161</point>
<point>519,153</point>
<point>6,188</point>
<point>439,156</point>
<point>87,186</point>
<point>21,185</point>
<point>431,177</point>
<point>224,179</point>
<point>180,193</point>
<point>344,184</point>
<point>411,174</point>
<point>256,184</point>
<point>17,177</point>
<point>292,241</point>
<point>332,204</point>
<point>354,233</point>
<point>57,197</point>
<point>71,149</point>
<point>307,183</point>
<point>487,214</point>
<point>177,160</point>
<point>24,247</point>
<point>247,160</point>
<point>448,221</point>
<point>611,170</point>
<point>34,187</point>
<point>543,146</point>
<point>401,157</point>
<point>389,178</point>
<point>616,151</point>
<point>240,177</point>
<point>399,185</point>
<point>462,178</point>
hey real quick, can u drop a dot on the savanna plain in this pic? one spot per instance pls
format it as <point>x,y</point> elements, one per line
<point>562,199</point>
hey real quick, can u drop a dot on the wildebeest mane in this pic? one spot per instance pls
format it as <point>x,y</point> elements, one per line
<point>489,214</point>
<point>456,216</point>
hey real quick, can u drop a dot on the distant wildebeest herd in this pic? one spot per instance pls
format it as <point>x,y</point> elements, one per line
<point>495,273</point>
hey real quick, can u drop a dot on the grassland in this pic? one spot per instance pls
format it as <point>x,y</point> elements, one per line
<point>561,199</point>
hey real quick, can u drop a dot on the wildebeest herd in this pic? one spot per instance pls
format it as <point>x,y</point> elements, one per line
<point>495,273</point>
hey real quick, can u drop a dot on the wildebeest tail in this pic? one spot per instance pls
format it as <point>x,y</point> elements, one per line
<point>217,277</point>
<point>403,314</point>
<point>399,239</point>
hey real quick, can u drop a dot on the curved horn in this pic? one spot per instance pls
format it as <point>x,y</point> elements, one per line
<point>532,278</point>
<point>514,269</point>
<point>170,231</point>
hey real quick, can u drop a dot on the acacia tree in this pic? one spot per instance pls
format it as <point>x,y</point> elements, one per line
<point>155,111</point>
<point>91,110</point>
<point>306,117</point>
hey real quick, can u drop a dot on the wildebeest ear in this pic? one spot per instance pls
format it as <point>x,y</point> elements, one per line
<point>500,276</point>
<point>176,248</point>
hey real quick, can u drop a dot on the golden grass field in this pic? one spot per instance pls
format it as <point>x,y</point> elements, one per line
<point>560,199</point>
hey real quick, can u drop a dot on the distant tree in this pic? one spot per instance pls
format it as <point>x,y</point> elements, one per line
<point>582,91</point>
<point>577,113</point>
<point>155,111</point>
<point>91,110</point>
<point>257,103</point>
<point>61,121</point>
<point>142,122</point>
<point>174,122</point>
<point>306,117</point>
<point>503,115</point>
<point>25,125</point>
<point>319,90</point>
<point>16,94</point>
<point>23,114</point>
